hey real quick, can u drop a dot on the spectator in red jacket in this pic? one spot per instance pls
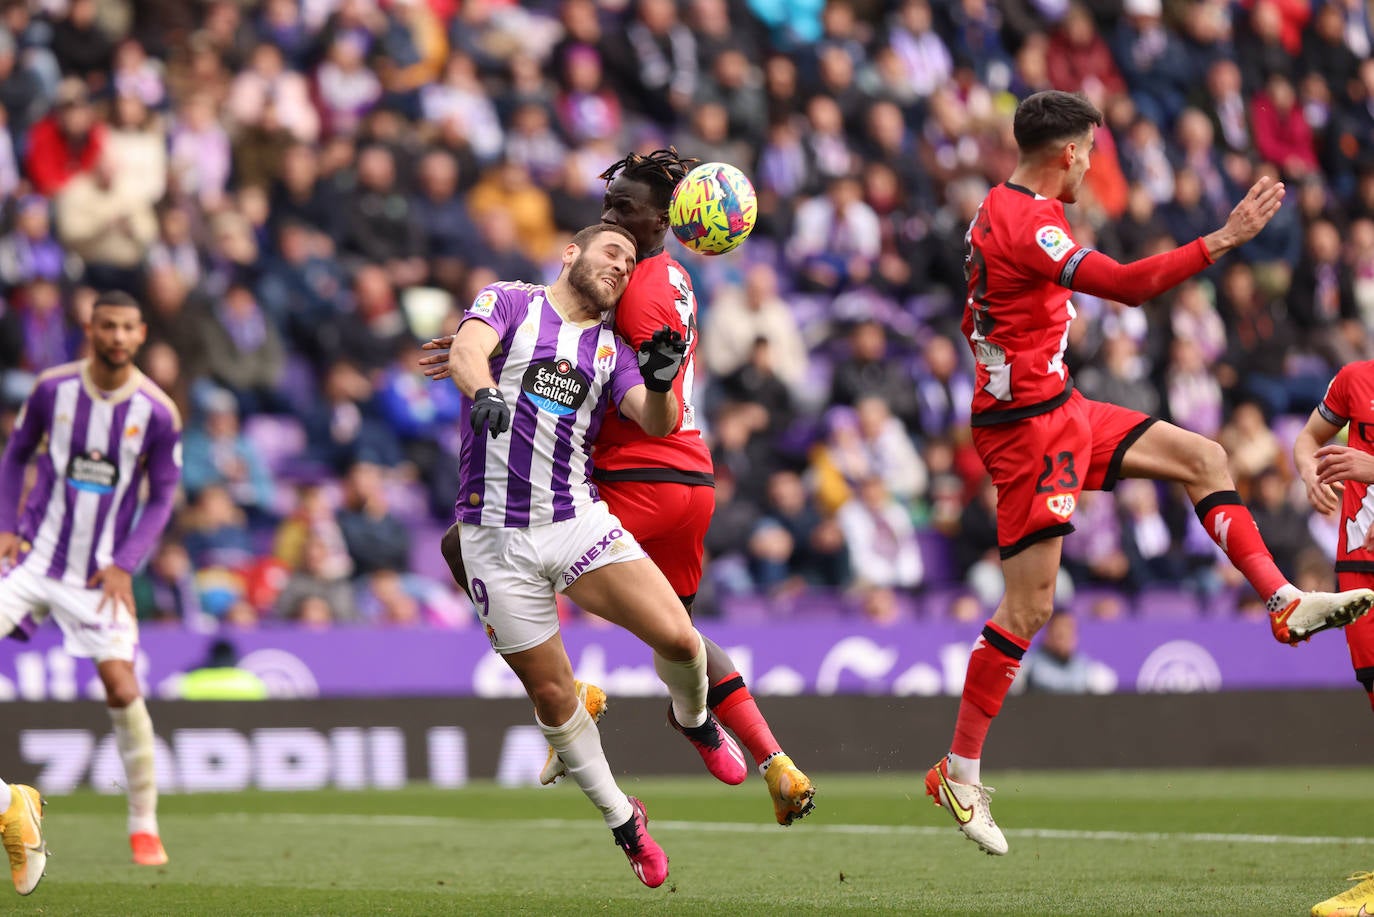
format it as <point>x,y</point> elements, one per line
<point>1282,134</point>
<point>1079,58</point>
<point>67,142</point>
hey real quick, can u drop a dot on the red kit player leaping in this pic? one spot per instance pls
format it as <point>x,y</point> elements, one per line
<point>1044,443</point>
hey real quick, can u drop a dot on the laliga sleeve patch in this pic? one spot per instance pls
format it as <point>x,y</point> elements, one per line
<point>483,304</point>
<point>1055,242</point>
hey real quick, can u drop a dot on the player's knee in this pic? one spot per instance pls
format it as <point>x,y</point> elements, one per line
<point>1208,463</point>
<point>121,692</point>
<point>681,644</point>
<point>1027,615</point>
<point>554,701</point>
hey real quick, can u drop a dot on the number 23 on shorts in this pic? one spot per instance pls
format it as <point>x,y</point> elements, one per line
<point>1059,474</point>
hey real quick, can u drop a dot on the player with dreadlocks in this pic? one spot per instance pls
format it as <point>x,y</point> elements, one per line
<point>662,488</point>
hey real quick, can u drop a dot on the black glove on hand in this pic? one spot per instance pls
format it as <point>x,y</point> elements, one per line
<point>660,358</point>
<point>490,412</point>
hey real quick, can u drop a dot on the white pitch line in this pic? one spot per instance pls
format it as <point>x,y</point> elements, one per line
<point>563,824</point>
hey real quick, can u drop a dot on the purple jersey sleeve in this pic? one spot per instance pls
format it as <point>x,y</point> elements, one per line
<point>163,463</point>
<point>500,307</point>
<point>28,432</point>
<point>626,375</point>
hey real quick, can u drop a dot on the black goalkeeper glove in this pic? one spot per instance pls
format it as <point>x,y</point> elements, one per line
<point>490,412</point>
<point>660,358</point>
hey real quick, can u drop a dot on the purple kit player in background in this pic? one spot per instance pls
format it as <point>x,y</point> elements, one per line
<point>98,430</point>
<point>543,363</point>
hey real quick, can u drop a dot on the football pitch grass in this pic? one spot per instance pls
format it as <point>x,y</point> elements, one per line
<point>1269,842</point>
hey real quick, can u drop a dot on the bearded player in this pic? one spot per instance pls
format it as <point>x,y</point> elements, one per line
<point>107,445</point>
<point>1044,443</point>
<point>662,488</point>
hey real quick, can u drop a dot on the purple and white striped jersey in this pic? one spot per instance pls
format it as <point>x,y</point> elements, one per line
<point>88,507</point>
<point>556,376</point>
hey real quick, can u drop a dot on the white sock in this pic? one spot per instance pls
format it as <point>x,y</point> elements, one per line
<point>5,796</point>
<point>1282,597</point>
<point>964,770</point>
<point>133,730</point>
<point>578,743</point>
<point>687,685</point>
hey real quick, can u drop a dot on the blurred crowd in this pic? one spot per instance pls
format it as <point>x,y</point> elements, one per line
<point>302,191</point>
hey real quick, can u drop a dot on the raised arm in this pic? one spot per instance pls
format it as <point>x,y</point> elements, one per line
<point>1142,280</point>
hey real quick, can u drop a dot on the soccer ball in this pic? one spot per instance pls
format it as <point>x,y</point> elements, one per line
<point>713,208</point>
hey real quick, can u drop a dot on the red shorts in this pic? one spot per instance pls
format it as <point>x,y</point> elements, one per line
<point>1041,464</point>
<point>669,520</point>
<point>1359,637</point>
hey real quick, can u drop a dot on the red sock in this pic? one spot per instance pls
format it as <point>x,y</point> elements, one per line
<point>734,706</point>
<point>1233,529</point>
<point>991,669</point>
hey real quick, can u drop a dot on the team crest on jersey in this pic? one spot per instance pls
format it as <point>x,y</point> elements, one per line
<point>1062,505</point>
<point>605,356</point>
<point>1054,241</point>
<point>555,386</point>
<point>92,472</point>
<point>491,634</point>
<point>484,303</point>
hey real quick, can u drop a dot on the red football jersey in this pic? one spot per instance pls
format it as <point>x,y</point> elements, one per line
<point>1350,398</point>
<point>659,293</point>
<point>1019,261</point>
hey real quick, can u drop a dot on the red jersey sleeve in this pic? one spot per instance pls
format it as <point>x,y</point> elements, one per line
<point>1335,406</point>
<point>1043,243</point>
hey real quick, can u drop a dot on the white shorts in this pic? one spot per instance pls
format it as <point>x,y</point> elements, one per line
<point>108,633</point>
<point>514,573</point>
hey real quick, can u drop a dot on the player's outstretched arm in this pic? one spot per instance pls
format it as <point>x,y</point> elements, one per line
<point>1324,496</point>
<point>1247,218</point>
<point>1147,278</point>
<point>435,363</point>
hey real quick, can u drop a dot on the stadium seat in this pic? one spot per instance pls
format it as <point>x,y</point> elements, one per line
<point>1167,603</point>
<point>936,601</point>
<point>278,439</point>
<point>937,555</point>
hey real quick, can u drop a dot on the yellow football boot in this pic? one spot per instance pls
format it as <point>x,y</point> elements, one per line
<point>594,699</point>
<point>1353,902</point>
<point>791,790</point>
<point>22,828</point>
